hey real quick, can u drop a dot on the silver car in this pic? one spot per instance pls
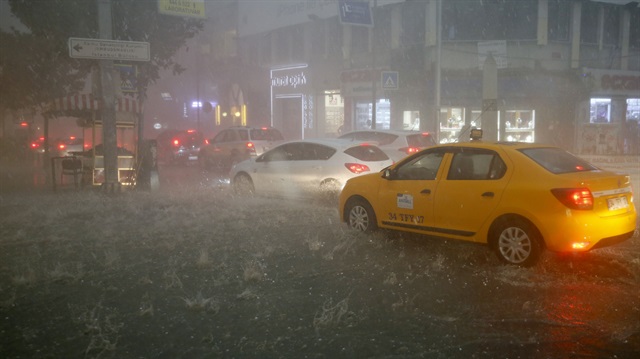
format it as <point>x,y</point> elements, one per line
<point>397,144</point>
<point>236,144</point>
<point>312,166</point>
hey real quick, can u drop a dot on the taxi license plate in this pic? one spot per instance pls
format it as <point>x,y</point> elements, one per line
<point>617,203</point>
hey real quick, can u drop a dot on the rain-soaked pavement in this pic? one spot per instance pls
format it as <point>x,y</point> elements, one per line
<point>199,273</point>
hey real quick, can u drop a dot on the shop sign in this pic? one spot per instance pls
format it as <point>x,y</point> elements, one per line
<point>609,82</point>
<point>186,8</point>
<point>289,80</point>
<point>620,82</point>
<point>293,81</point>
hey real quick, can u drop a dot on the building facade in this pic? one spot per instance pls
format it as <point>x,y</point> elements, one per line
<point>550,71</point>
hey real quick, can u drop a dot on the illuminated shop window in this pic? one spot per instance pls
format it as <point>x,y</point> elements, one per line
<point>600,111</point>
<point>334,112</point>
<point>451,123</point>
<point>520,126</point>
<point>633,109</point>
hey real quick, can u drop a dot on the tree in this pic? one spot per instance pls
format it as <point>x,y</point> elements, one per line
<point>35,67</point>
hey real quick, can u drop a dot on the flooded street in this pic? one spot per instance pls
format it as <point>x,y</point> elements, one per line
<point>192,271</point>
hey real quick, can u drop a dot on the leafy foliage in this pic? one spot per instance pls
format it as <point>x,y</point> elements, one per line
<point>35,67</point>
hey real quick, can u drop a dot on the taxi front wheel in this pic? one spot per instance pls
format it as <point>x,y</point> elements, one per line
<point>360,215</point>
<point>517,242</point>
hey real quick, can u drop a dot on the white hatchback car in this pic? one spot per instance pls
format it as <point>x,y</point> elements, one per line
<point>397,144</point>
<point>312,166</point>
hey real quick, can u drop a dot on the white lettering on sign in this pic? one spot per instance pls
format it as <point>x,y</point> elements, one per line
<point>289,80</point>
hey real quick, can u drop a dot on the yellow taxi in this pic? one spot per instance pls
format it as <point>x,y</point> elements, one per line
<point>519,198</point>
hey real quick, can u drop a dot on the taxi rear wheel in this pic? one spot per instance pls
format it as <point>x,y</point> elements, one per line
<point>360,215</point>
<point>517,242</point>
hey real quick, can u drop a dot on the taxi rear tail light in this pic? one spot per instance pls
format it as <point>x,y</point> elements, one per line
<point>574,198</point>
<point>357,168</point>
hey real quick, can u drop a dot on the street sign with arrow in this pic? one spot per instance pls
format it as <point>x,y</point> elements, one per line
<point>108,49</point>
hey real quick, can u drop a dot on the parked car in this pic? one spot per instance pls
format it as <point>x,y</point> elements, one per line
<point>68,147</point>
<point>518,198</point>
<point>37,145</point>
<point>397,144</point>
<point>179,147</point>
<point>236,144</point>
<point>313,166</point>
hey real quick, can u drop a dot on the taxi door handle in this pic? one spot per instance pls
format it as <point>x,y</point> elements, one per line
<point>426,191</point>
<point>488,194</point>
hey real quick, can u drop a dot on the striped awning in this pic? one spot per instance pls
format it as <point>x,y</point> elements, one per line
<point>88,102</point>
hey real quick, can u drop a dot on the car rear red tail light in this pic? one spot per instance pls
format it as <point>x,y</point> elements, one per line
<point>61,146</point>
<point>251,148</point>
<point>176,143</point>
<point>357,168</point>
<point>574,198</point>
<point>410,150</point>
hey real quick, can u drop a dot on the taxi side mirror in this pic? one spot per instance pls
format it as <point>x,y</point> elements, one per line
<point>388,174</point>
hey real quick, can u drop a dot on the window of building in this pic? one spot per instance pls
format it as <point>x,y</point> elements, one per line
<point>633,109</point>
<point>334,37</point>
<point>359,39</point>
<point>634,36</point>
<point>520,125</point>
<point>589,23</point>
<point>451,123</point>
<point>559,20</point>
<point>265,49</point>
<point>283,43</point>
<point>611,25</point>
<point>333,112</point>
<point>489,20</point>
<point>382,21</point>
<point>413,24</point>
<point>297,43</point>
<point>600,110</point>
<point>364,111</point>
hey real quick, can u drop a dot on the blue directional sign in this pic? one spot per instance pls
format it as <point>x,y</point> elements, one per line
<point>389,80</point>
<point>355,13</point>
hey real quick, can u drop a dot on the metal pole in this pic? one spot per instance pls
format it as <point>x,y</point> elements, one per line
<point>374,78</point>
<point>109,135</point>
<point>438,70</point>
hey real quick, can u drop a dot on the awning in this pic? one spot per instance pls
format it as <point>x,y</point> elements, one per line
<point>88,102</point>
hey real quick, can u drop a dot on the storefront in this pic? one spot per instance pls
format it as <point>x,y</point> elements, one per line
<point>127,112</point>
<point>357,88</point>
<point>608,121</point>
<point>292,102</point>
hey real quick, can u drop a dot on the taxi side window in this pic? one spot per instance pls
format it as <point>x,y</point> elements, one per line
<point>421,168</point>
<point>476,166</point>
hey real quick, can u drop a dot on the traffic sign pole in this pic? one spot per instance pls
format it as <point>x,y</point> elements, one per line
<point>108,110</point>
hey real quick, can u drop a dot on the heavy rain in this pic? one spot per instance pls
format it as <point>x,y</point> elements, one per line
<point>123,233</point>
